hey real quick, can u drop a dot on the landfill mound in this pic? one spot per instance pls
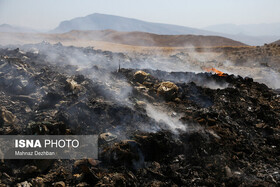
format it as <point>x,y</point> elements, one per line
<point>155,128</point>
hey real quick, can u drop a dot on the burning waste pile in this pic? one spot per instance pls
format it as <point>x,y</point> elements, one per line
<point>155,128</point>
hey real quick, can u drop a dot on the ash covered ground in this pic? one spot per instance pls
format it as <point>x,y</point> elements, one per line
<point>156,126</point>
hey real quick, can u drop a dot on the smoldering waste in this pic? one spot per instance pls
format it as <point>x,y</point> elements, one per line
<point>156,128</point>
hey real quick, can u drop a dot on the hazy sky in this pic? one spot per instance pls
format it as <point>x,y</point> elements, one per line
<point>47,14</point>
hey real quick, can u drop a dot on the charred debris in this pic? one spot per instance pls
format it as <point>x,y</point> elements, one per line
<point>156,128</point>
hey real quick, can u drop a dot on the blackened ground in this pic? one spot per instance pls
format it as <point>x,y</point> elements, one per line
<point>232,135</point>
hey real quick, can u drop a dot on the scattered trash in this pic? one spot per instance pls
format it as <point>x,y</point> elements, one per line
<point>231,135</point>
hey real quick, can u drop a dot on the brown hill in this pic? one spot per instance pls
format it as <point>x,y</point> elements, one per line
<point>148,39</point>
<point>126,38</point>
<point>276,42</point>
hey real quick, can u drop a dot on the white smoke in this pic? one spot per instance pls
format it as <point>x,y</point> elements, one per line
<point>160,115</point>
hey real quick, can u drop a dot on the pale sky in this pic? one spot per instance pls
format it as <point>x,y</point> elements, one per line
<point>47,14</point>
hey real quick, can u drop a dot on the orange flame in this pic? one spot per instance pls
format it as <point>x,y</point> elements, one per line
<point>219,73</point>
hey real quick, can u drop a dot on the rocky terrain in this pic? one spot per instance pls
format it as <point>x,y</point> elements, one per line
<point>155,127</point>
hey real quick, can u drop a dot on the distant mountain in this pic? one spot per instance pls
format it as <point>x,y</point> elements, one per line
<point>102,22</point>
<point>148,39</point>
<point>253,34</point>
<point>272,29</point>
<point>251,40</point>
<point>11,28</point>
